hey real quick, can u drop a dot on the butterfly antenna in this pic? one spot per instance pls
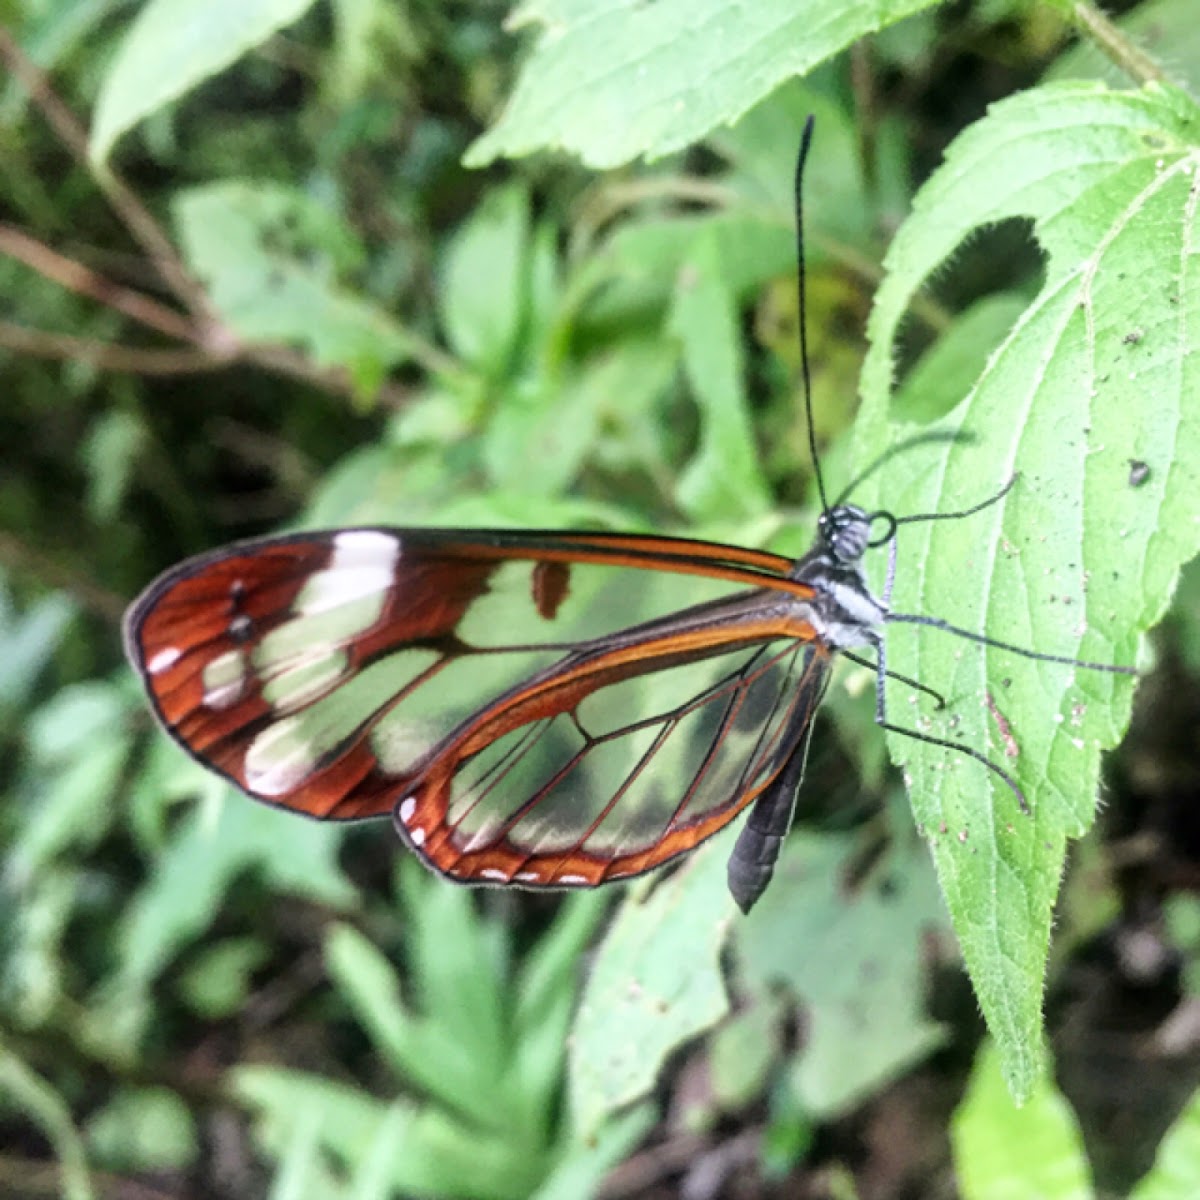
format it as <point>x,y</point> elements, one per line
<point>802,307</point>
<point>932,437</point>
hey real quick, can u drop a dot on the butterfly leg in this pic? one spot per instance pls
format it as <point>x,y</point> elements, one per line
<point>881,675</point>
<point>890,581</point>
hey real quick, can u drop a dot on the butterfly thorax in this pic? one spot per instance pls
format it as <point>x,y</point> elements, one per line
<point>844,611</point>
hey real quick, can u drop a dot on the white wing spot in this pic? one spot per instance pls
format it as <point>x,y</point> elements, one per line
<point>224,679</point>
<point>225,696</point>
<point>363,564</point>
<point>354,547</point>
<point>408,806</point>
<point>573,879</point>
<point>164,660</point>
<point>279,759</point>
<point>483,837</point>
<point>528,877</point>
<point>493,873</point>
<point>416,835</point>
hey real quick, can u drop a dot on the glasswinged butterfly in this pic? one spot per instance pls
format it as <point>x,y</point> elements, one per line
<point>538,709</point>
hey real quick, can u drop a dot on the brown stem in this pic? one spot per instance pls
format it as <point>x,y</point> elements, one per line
<point>18,554</point>
<point>138,220</point>
<point>206,329</point>
<point>83,280</point>
<point>1116,44</point>
<point>106,355</point>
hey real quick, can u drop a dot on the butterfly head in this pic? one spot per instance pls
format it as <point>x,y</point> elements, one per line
<point>845,530</point>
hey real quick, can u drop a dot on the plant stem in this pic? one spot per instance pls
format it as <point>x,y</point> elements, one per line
<point>1115,43</point>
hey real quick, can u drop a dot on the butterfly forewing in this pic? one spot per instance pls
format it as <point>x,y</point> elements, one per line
<point>539,708</point>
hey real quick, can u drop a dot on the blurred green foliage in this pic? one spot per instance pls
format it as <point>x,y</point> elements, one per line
<point>269,292</point>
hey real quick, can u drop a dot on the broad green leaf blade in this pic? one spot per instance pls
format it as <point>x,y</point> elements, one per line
<point>1176,1171</point>
<point>372,1175</point>
<point>79,756</point>
<point>852,953</point>
<point>1002,1152</point>
<point>266,254</point>
<point>189,878</point>
<point>1100,369</point>
<point>655,984</point>
<point>944,375</point>
<point>173,46</point>
<point>610,81</point>
<point>28,640</point>
<point>217,981</point>
<point>724,478</point>
<point>484,293</point>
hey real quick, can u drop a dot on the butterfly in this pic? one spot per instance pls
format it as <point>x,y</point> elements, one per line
<point>538,709</point>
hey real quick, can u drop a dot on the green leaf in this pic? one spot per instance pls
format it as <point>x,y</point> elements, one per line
<point>209,850</point>
<point>1176,1171</point>
<point>761,151</point>
<point>484,293</point>
<point>724,479</point>
<point>1099,369</point>
<point>217,981</point>
<point>372,1174</point>
<point>544,998</point>
<point>33,967</point>
<point>588,1160</point>
<point>300,1165</point>
<point>67,807</point>
<point>269,256</point>
<point>67,726</point>
<point>853,954</point>
<point>945,373</point>
<point>111,451</point>
<point>420,1046</point>
<point>610,81</point>
<point>492,1059</point>
<point>79,750</point>
<point>172,46</point>
<point>28,640</point>
<point>1006,1152</point>
<point>743,1054</point>
<point>620,398</point>
<point>655,983</point>
<point>51,35</point>
<point>460,965</point>
<point>432,1154</point>
<point>541,434</point>
<point>149,1129</point>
